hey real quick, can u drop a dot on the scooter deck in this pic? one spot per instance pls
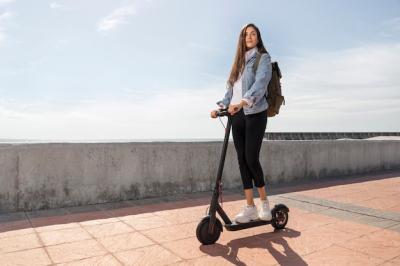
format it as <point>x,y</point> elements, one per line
<point>239,226</point>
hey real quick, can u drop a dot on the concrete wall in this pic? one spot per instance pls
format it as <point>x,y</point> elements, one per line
<point>37,176</point>
<point>326,135</point>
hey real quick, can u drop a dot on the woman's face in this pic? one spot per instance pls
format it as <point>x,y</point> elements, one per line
<point>251,38</point>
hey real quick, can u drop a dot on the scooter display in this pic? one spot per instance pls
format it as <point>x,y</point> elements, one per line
<point>210,227</point>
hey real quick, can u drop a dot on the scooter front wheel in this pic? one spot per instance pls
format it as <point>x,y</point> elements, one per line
<point>202,231</point>
<point>280,216</point>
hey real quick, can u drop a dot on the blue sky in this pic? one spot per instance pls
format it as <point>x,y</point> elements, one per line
<point>87,70</point>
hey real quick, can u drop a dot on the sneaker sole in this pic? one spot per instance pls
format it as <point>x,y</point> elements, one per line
<point>265,219</point>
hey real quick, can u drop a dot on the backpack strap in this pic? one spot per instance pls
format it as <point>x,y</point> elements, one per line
<point>255,66</point>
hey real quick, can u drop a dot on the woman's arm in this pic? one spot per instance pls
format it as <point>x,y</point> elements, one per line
<point>262,78</point>
<point>226,100</point>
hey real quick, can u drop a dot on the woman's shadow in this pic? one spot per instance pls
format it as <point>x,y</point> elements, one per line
<point>260,241</point>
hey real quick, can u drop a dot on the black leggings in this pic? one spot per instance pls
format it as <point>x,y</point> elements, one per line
<point>248,133</point>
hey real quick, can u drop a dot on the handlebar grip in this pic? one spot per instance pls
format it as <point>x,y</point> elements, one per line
<point>223,112</point>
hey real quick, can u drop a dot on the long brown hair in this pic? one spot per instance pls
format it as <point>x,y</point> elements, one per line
<point>238,64</point>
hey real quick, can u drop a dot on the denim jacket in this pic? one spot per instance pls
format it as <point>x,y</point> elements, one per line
<point>254,87</point>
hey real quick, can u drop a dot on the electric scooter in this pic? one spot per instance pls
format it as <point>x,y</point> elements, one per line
<point>210,227</point>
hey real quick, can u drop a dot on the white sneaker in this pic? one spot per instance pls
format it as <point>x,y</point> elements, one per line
<point>247,214</point>
<point>265,212</point>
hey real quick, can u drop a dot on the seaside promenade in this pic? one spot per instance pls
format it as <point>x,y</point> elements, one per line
<point>338,221</point>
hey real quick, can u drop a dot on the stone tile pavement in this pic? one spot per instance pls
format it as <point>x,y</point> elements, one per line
<point>340,221</point>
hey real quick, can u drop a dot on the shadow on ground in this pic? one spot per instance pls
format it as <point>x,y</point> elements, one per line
<point>273,242</point>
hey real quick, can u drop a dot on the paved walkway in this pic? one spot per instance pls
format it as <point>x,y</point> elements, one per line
<point>349,221</point>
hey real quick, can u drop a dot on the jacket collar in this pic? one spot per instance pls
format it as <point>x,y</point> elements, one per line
<point>251,53</point>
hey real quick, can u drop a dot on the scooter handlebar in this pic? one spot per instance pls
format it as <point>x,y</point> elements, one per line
<point>223,112</point>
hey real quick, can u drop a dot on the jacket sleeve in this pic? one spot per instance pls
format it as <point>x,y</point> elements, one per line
<point>262,78</point>
<point>226,100</point>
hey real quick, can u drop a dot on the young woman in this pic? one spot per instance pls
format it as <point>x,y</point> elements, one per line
<point>248,108</point>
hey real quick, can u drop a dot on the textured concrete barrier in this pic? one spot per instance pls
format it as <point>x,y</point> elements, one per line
<point>48,175</point>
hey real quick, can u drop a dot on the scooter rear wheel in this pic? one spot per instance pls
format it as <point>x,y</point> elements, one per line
<point>202,231</point>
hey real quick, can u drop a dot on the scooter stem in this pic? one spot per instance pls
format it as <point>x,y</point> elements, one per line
<point>214,206</point>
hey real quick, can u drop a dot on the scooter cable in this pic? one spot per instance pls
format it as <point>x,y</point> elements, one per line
<point>220,194</point>
<point>220,184</point>
<point>220,120</point>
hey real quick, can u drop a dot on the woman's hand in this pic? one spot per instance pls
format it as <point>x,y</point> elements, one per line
<point>234,108</point>
<point>214,114</point>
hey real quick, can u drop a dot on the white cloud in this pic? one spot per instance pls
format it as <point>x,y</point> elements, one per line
<point>347,90</point>
<point>116,18</point>
<point>4,18</point>
<point>2,35</point>
<point>390,27</point>
<point>348,71</point>
<point>350,90</point>
<point>146,115</point>
<point>3,2</point>
<point>56,5</point>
